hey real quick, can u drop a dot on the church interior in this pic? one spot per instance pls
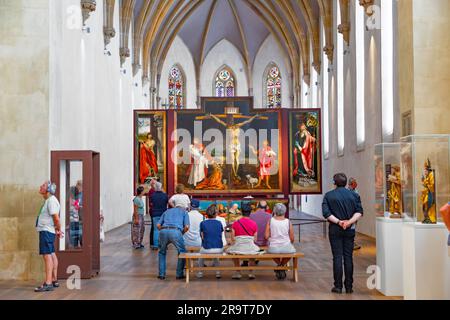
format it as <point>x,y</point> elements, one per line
<point>367,82</point>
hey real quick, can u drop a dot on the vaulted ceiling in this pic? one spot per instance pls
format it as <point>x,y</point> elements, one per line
<point>295,24</point>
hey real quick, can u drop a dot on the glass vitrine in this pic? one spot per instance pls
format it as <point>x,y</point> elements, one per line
<point>388,185</point>
<point>77,176</point>
<point>425,176</point>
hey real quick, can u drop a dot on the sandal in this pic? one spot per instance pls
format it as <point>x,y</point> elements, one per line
<point>44,288</point>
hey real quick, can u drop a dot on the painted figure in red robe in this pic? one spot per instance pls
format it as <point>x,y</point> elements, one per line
<point>148,166</point>
<point>266,157</point>
<point>304,151</point>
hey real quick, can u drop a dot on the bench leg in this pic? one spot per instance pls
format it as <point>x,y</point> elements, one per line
<point>188,269</point>
<point>295,269</point>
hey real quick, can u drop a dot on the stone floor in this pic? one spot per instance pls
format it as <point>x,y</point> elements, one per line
<point>131,274</point>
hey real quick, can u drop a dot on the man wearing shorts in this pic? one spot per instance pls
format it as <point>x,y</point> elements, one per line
<point>48,226</point>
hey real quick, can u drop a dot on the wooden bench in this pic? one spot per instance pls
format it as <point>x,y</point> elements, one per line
<point>192,257</point>
<point>197,249</point>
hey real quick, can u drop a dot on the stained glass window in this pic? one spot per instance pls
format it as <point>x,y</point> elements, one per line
<point>176,88</point>
<point>225,85</point>
<point>273,88</point>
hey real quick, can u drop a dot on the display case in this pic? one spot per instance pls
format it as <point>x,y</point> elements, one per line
<point>388,186</point>
<point>425,176</point>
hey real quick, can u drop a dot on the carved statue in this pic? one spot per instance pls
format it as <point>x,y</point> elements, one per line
<point>428,197</point>
<point>395,191</point>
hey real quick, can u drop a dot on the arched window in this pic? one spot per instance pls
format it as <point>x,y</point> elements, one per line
<point>225,85</point>
<point>272,87</point>
<point>176,88</point>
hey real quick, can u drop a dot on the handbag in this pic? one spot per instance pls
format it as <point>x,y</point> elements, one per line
<point>239,221</point>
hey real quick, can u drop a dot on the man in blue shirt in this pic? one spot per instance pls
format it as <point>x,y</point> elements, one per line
<point>172,225</point>
<point>342,208</point>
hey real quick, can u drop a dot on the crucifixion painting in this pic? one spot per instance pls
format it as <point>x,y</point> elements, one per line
<point>250,144</point>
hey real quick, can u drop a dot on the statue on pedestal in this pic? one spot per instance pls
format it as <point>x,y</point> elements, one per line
<point>428,197</point>
<point>395,192</point>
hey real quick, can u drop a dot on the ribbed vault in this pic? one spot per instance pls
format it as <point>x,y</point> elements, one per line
<point>295,24</point>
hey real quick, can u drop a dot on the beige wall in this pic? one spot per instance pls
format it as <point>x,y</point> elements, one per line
<point>424,67</point>
<point>405,66</point>
<point>23,132</point>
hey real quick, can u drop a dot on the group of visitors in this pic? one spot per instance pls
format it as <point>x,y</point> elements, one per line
<point>178,221</point>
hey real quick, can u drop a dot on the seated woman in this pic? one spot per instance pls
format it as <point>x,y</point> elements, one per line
<point>280,234</point>
<point>243,237</point>
<point>192,237</point>
<point>211,231</point>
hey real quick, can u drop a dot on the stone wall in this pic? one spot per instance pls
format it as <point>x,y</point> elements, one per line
<point>24,160</point>
<point>431,44</point>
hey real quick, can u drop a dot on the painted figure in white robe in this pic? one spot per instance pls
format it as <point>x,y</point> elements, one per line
<point>199,166</point>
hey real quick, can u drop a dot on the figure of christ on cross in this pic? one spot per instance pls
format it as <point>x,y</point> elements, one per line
<point>235,146</point>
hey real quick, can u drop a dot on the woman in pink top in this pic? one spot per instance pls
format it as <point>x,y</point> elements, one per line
<point>244,233</point>
<point>280,233</point>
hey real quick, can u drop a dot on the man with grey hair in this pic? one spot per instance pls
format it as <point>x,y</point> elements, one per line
<point>48,226</point>
<point>280,234</point>
<point>261,217</point>
<point>158,201</point>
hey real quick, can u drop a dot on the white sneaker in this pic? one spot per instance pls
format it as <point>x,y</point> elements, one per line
<point>218,275</point>
<point>237,276</point>
<point>199,275</point>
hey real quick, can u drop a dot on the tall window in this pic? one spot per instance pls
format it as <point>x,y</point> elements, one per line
<point>273,87</point>
<point>340,84</point>
<point>387,67</point>
<point>325,99</point>
<point>176,88</point>
<point>225,85</point>
<point>360,76</point>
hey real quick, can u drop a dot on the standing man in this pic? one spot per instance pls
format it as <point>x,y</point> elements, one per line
<point>158,201</point>
<point>48,226</point>
<point>352,186</point>
<point>342,208</point>
<point>172,225</point>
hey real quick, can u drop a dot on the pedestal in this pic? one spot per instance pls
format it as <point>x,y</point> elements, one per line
<point>389,255</point>
<point>425,262</point>
<point>448,269</point>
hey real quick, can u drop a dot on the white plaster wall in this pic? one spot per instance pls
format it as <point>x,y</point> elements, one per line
<point>223,53</point>
<point>354,163</point>
<point>270,52</point>
<point>91,103</point>
<point>180,54</point>
<point>312,204</point>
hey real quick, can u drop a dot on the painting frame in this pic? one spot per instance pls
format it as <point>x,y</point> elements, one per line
<point>162,150</point>
<point>292,130</point>
<point>233,192</point>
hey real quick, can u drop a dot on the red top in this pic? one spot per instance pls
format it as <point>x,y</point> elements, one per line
<point>245,227</point>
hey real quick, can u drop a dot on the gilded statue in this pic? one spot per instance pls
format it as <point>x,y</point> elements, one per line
<point>395,191</point>
<point>428,197</point>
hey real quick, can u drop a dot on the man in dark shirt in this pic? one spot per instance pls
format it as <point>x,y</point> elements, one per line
<point>342,208</point>
<point>158,200</point>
